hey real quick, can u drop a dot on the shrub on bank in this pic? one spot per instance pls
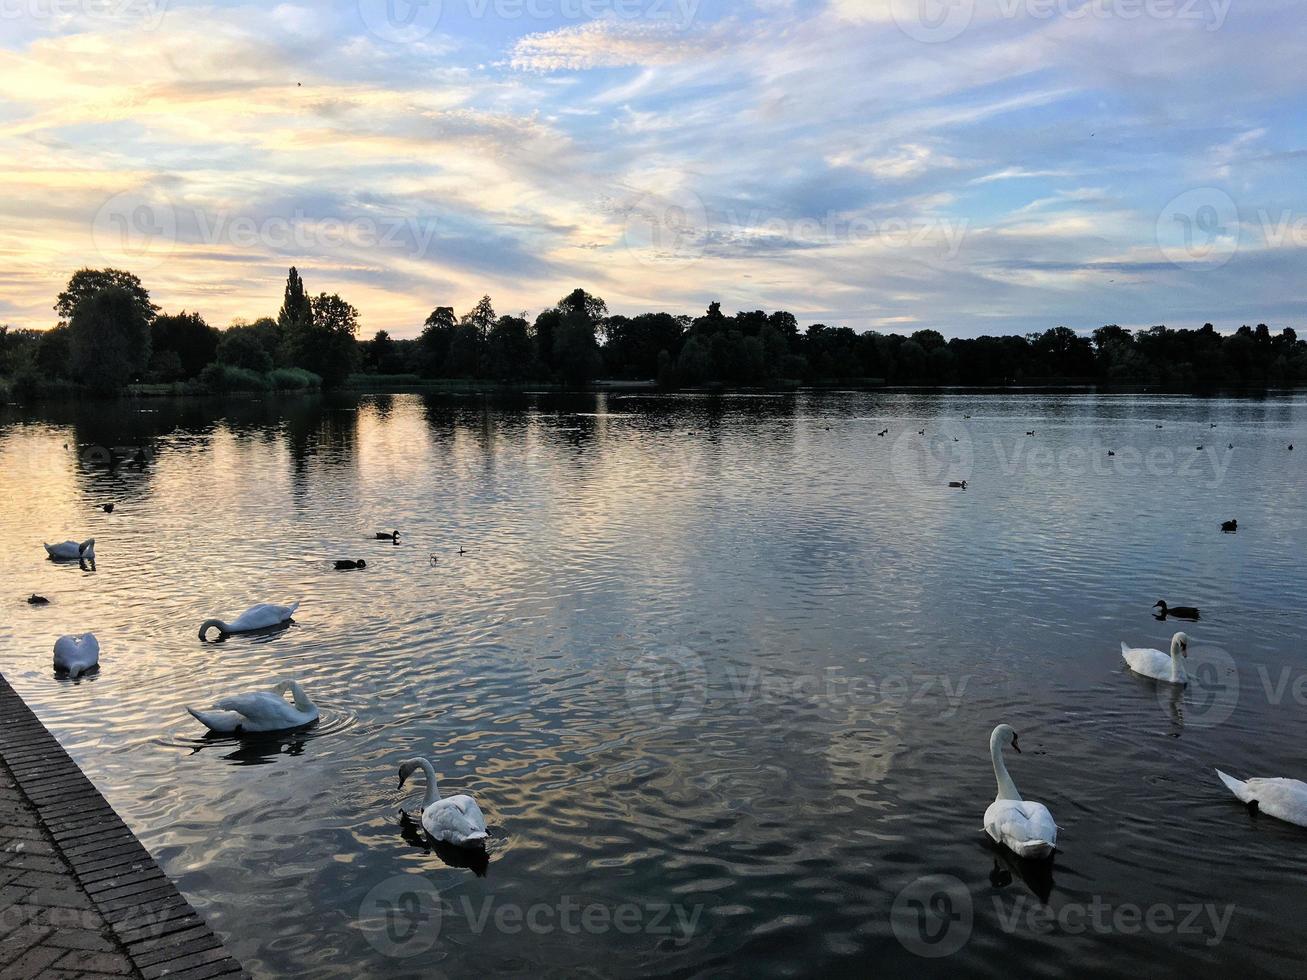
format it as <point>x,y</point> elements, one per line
<point>223,378</point>
<point>293,379</point>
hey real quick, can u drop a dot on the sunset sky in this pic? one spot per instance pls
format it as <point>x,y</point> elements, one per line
<point>990,167</point>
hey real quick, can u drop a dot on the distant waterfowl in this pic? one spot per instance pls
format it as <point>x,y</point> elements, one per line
<point>392,536</point>
<point>454,819</point>
<point>1030,432</point>
<point>1158,665</point>
<point>1180,612</point>
<point>1229,526</point>
<point>921,432</point>
<point>1157,427</point>
<point>259,711</point>
<point>76,654</point>
<point>1111,452</point>
<point>1199,449</point>
<point>1023,826</point>
<point>958,484</point>
<point>1283,799</point>
<point>345,564</point>
<point>1212,425</point>
<point>259,617</point>
<point>37,600</point>
<point>461,551</point>
<point>435,560</point>
<point>1290,447</point>
<point>71,550</point>
<point>107,508</point>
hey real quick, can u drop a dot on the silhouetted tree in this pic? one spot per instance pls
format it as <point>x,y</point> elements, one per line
<point>296,307</point>
<point>86,282</point>
<point>110,338</point>
<point>188,337</point>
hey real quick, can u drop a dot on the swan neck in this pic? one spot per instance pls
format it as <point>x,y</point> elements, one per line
<point>433,794</point>
<point>302,701</point>
<point>1007,790</point>
<point>1178,674</point>
<point>216,624</point>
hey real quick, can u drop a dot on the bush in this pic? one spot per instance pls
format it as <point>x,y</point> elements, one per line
<point>225,377</point>
<point>293,379</point>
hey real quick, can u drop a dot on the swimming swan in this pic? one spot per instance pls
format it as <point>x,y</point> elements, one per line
<point>1158,665</point>
<point>259,711</point>
<point>76,654</point>
<point>259,617</point>
<point>454,819</point>
<point>71,550</point>
<point>1023,826</point>
<point>1284,799</point>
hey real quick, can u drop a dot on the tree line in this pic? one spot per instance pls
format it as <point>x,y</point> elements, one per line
<point>110,334</point>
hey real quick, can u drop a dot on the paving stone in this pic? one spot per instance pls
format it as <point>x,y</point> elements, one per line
<point>80,898</point>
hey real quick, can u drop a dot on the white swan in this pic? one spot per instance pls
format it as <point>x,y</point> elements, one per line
<point>76,654</point>
<point>1024,827</point>
<point>1156,664</point>
<point>454,819</point>
<point>259,711</point>
<point>71,550</point>
<point>1283,799</point>
<point>259,617</point>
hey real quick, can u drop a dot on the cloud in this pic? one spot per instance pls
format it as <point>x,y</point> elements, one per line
<point>607,43</point>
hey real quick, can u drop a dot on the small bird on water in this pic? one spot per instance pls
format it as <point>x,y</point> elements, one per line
<point>1180,612</point>
<point>107,508</point>
<point>37,600</point>
<point>392,536</point>
<point>958,484</point>
<point>345,564</point>
<point>1229,526</point>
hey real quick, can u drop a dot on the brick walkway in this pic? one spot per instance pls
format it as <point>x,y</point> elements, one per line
<point>79,895</point>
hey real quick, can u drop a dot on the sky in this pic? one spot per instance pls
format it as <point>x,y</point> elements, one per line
<point>970,166</point>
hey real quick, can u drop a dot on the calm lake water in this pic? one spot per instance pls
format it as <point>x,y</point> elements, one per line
<point>721,672</point>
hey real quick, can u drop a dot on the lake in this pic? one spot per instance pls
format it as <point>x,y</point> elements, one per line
<point>720,670</point>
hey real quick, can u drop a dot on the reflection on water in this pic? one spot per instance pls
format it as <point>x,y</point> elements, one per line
<point>720,669</point>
